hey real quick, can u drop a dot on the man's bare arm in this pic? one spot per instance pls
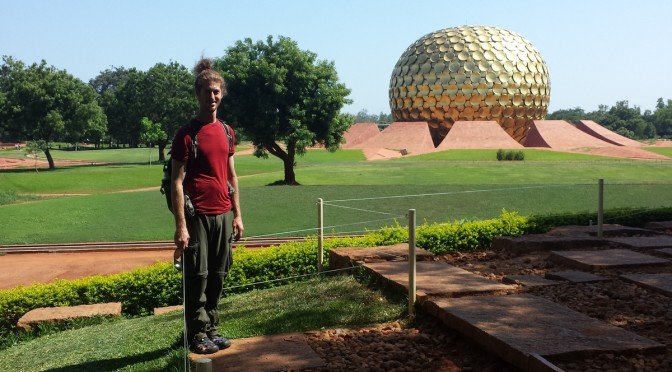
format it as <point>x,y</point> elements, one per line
<point>238,227</point>
<point>181,237</point>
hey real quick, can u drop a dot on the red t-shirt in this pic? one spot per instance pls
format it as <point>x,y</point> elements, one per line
<point>207,174</point>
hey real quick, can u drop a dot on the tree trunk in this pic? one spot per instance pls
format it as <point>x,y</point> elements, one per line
<point>290,177</point>
<point>162,147</point>
<point>287,158</point>
<point>49,158</point>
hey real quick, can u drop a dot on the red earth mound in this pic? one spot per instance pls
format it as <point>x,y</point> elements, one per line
<point>604,134</point>
<point>477,135</point>
<point>559,134</point>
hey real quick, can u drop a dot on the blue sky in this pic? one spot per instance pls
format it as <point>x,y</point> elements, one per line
<point>597,52</point>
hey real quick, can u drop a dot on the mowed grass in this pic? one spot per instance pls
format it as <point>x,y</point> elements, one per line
<point>440,190</point>
<point>155,342</point>
<point>491,155</point>
<point>666,151</point>
<point>292,210</point>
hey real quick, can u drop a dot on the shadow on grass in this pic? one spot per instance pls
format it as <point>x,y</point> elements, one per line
<point>174,363</point>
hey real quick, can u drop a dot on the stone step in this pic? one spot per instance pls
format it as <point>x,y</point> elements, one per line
<point>529,280</point>
<point>665,251</point>
<point>342,258</point>
<point>62,313</point>
<point>658,282</point>
<point>644,242</point>
<point>167,309</point>
<point>283,352</point>
<point>542,242</point>
<point>607,230</point>
<point>662,226</point>
<point>516,327</point>
<point>575,276</point>
<point>436,279</point>
<point>604,259</point>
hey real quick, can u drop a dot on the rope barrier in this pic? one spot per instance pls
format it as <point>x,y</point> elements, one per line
<point>444,193</point>
<point>326,227</point>
<point>358,209</point>
<point>290,277</point>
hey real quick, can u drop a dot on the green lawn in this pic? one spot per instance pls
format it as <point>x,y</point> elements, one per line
<point>468,189</point>
<point>491,155</point>
<point>271,210</point>
<point>666,151</point>
<point>155,342</point>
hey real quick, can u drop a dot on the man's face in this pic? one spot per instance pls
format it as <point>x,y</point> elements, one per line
<point>209,96</point>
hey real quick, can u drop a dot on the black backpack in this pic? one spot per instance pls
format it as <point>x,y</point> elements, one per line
<point>166,185</point>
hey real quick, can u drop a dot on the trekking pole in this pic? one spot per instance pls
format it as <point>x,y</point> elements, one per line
<point>179,266</point>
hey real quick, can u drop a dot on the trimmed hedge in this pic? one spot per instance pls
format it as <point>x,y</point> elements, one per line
<point>441,238</point>
<point>141,290</point>
<point>159,285</point>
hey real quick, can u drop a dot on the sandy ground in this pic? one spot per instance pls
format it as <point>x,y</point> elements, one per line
<point>11,163</point>
<point>47,267</point>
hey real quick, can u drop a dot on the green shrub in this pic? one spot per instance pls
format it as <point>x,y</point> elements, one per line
<point>635,217</point>
<point>510,155</point>
<point>159,285</point>
<point>440,238</point>
<point>142,290</point>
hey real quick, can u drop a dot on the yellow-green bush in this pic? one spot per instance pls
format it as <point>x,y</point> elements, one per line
<point>441,238</point>
<point>141,290</point>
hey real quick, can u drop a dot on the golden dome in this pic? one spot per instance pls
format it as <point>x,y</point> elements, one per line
<point>470,73</point>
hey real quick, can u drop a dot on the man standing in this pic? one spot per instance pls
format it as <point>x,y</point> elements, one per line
<point>203,168</point>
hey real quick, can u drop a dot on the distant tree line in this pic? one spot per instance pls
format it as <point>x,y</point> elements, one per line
<point>280,97</point>
<point>627,121</point>
<point>363,116</point>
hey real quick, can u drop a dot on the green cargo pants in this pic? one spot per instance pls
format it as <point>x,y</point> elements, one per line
<point>206,263</point>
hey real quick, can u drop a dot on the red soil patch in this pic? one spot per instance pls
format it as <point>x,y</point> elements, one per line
<point>477,135</point>
<point>47,267</point>
<point>11,163</point>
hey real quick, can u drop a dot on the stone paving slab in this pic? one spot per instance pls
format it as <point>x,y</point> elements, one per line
<point>543,242</point>
<point>643,242</point>
<point>517,326</point>
<point>529,280</point>
<point>575,276</point>
<point>167,309</point>
<point>667,251</point>
<point>607,230</point>
<point>54,314</point>
<point>286,352</point>
<point>344,257</point>
<point>436,278</point>
<point>659,225</point>
<point>658,282</point>
<point>602,259</point>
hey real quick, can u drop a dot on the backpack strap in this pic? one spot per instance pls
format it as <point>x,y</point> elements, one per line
<point>227,129</point>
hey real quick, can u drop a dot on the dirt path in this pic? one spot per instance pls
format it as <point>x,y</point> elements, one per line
<point>47,267</point>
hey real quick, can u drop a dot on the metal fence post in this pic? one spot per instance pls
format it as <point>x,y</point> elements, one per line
<point>411,262</point>
<point>600,207</point>
<point>320,234</point>
<point>203,365</point>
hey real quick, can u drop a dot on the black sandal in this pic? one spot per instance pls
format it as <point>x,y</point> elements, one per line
<point>203,345</point>
<point>219,340</point>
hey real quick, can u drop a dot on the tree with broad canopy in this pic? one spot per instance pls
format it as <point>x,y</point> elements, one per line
<point>283,99</point>
<point>41,103</point>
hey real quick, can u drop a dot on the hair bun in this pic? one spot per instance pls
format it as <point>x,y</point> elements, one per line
<point>202,65</point>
